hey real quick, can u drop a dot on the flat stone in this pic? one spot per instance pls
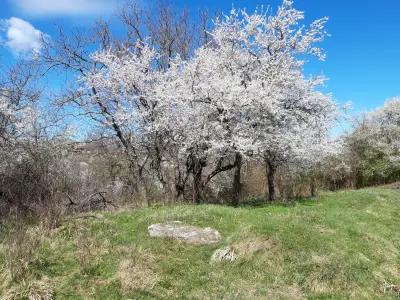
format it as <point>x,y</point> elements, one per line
<point>189,234</point>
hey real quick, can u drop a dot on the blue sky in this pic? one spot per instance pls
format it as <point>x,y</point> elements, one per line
<point>363,52</point>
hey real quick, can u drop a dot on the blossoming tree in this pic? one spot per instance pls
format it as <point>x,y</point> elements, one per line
<point>243,94</point>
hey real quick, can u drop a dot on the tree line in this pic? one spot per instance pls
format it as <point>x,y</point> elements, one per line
<point>180,104</point>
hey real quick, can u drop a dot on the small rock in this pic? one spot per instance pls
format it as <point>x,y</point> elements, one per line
<point>224,254</point>
<point>243,249</point>
<point>190,234</point>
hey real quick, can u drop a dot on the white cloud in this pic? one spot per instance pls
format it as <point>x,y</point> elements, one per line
<point>21,36</point>
<point>65,7</point>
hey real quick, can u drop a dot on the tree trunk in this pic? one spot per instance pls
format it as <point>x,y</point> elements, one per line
<point>179,185</point>
<point>313,188</point>
<point>179,191</point>
<point>237,185</point>
<point>132,178</point>
<point>359,179</point>
<point>270,174</point>
<point>197,172</point>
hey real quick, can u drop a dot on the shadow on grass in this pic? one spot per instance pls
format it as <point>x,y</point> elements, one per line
<point>256,202</point>
<point>260,202</point>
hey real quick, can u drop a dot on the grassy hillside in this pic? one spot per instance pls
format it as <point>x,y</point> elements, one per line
<point>342,245</point>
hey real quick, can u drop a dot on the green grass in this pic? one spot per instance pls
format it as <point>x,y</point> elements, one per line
<point>342,245</point>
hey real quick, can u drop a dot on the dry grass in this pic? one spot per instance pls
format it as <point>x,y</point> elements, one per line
<point>34,290</point>
<point>319,259</point>
<point>391,289</point>
<point>325,248</point>
<point>20,252</point>
<point>250,246</point>
<point>285,292</point>
<point>136,276</point>
<point>244,248</point>
<point>328,275</point>
<point>325,230</point>
<point>89,251</point>
<point>136,271</point>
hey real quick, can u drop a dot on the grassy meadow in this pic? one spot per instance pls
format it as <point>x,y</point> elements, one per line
<point>342,245</point>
